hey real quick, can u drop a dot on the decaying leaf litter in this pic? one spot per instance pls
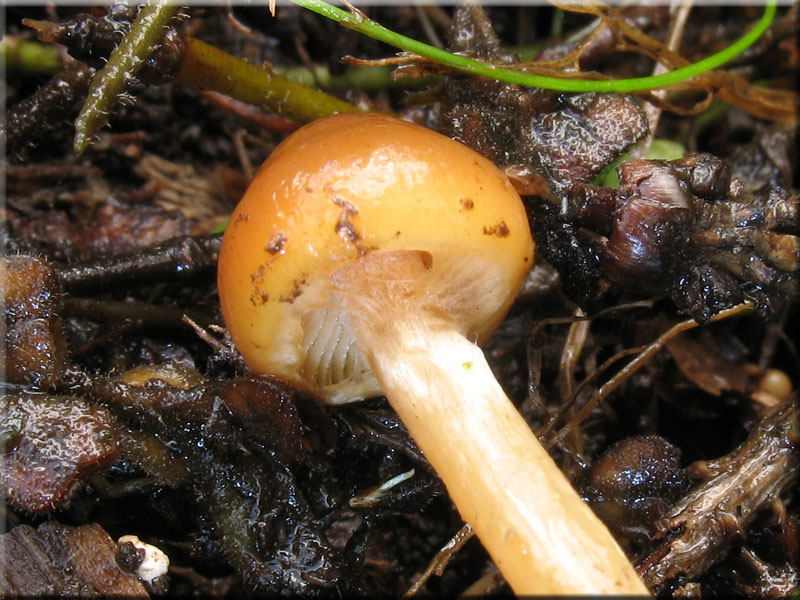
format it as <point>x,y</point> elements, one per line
<point>628,350</point>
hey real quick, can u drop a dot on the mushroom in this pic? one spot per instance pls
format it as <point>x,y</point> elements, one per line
<point>370,256</point>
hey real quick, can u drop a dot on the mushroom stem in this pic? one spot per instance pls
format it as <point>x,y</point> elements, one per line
<point>540,534</point>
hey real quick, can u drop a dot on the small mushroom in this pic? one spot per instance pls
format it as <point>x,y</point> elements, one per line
<point>369,256</point>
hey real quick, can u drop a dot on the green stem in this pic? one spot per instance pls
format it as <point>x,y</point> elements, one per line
<point>362,78</point>
<point>476,67</point>
<point>111,82</point>
<point>28,56</point>
<point>205,66</point>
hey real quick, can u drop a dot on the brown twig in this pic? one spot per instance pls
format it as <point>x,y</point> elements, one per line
<point>693,536</point>
<point>637,363</point>
<point>442,558</point>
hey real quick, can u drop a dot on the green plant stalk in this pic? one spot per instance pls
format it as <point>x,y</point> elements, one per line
<point>362,78</point>
<point>28,56</point>
<point>207,67</point>
<point>483,69</point>
<point>110,83</point>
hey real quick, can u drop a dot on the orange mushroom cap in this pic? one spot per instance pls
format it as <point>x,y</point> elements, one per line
<point>344,187</point>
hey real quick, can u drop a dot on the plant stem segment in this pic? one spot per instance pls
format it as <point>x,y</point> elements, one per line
<point>207,67</point>
<point>483,69</point>
<point>112,81</point>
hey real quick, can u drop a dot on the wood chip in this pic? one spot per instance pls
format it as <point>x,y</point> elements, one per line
<point>58,560</point>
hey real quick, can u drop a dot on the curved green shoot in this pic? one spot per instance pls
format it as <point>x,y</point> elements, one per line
<point>483,69</point>
<point>111,81</point>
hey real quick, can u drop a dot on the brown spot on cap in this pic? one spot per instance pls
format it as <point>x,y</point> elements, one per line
<point>258,276</point>
<point>275,243</point>
<point>259,297</point>
<point>500,230</point>
<point>467,203</point>
<point>296,291</point>
<point>344,227</point>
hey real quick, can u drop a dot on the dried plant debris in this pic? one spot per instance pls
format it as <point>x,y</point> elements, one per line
<point>56,560</point>
<point>655,233</point>
<point>545,140</point>
<point>109,227</point>
<point>181,187</point>
<point>702,526</point>
<point>51,444</point>
<point>682,228</point>
<point>706,367</point>
<point>34,349</point>
<point>256,509</point>
<point>768,161</point>
<point>259,474</point>
<point>181,257</point>
<point>47,109</point>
